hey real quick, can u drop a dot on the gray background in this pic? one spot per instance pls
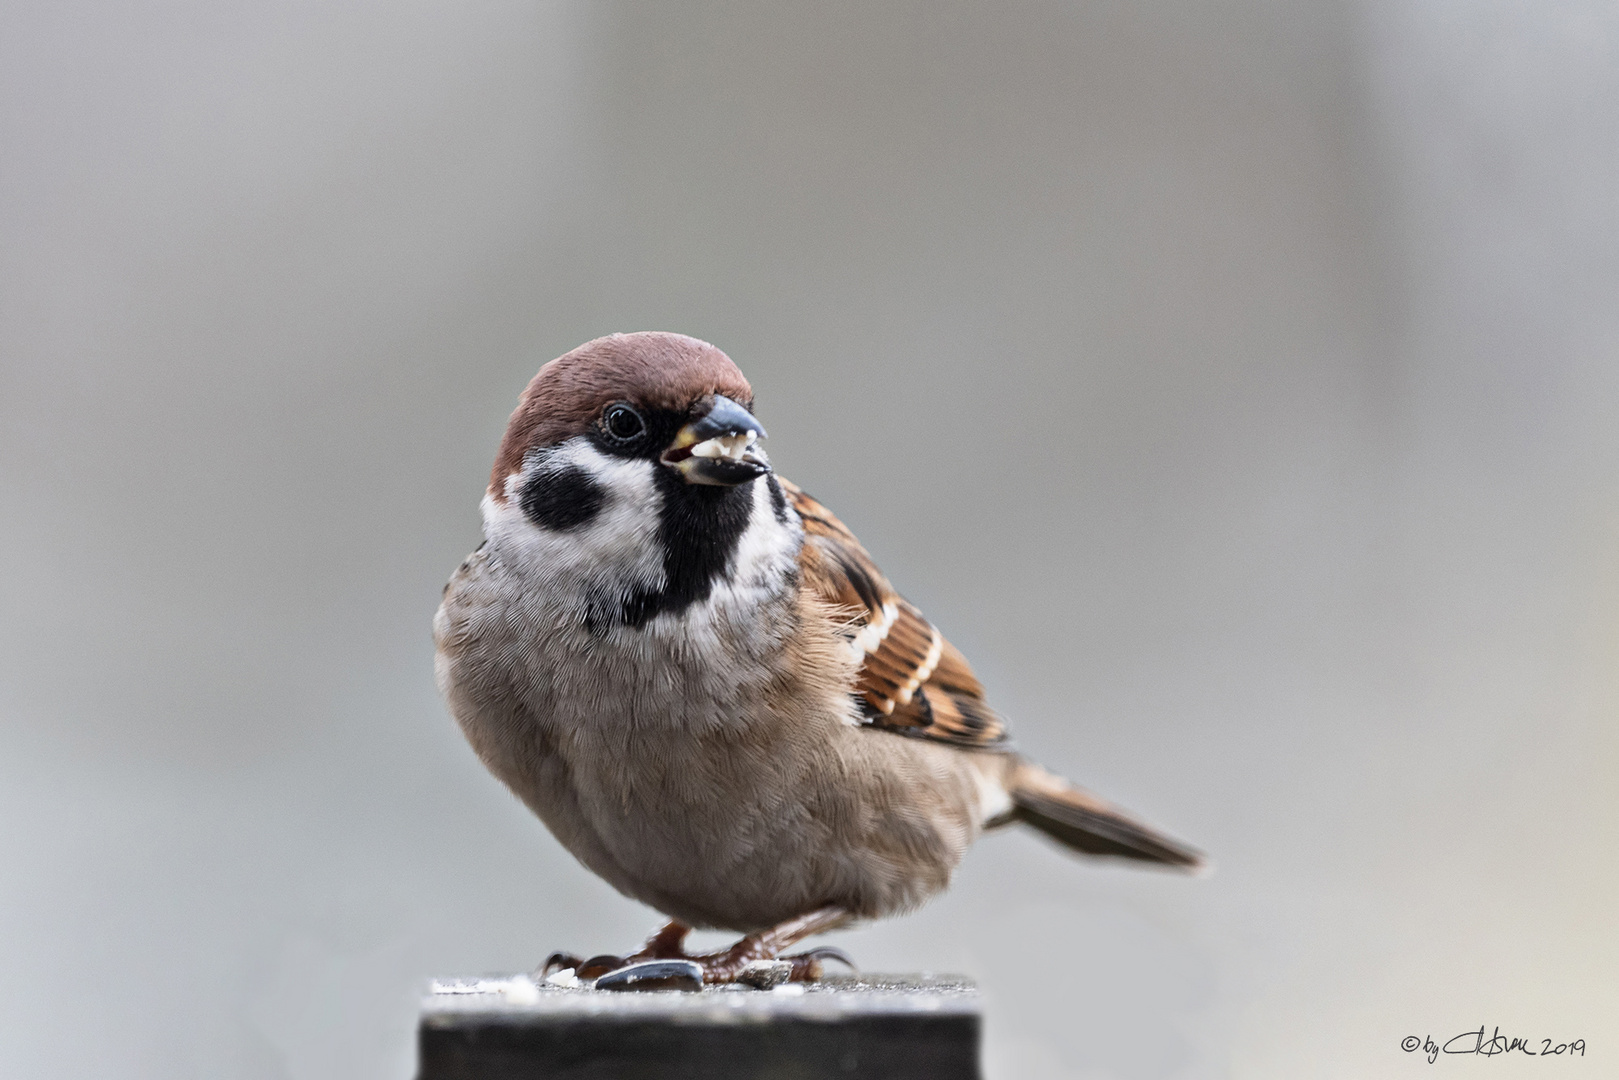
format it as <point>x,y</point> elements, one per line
<point>1233,381</point>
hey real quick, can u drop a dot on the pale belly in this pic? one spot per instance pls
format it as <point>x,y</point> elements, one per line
<point>733,801</point>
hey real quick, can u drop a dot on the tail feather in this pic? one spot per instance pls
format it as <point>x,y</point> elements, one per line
<point>1080,820</point>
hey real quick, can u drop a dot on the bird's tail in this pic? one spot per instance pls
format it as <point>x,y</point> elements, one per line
<point>1085,823</point>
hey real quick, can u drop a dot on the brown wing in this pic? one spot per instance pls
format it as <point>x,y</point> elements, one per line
<point>911,680</point>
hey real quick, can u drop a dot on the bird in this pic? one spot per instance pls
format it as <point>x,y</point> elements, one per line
<point>701,682</point>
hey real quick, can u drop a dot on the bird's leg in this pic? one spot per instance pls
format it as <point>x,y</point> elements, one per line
<point>669,943</point>
<point>724,966</point>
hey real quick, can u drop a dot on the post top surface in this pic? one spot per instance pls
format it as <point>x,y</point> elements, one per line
<point>523,999</point>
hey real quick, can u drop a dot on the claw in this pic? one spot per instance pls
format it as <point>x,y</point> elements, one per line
<point>559,961</point>
<point>807,965</point>
<point>597,966</point>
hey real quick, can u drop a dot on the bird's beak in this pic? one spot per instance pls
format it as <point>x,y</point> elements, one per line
<point>721,448</point>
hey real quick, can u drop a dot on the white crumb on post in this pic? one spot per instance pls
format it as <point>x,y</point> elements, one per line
<point>520,990</point>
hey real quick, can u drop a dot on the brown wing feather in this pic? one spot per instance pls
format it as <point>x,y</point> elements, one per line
<point>911,680</point>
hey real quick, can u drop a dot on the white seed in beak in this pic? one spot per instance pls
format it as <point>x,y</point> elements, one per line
<point>729,447</point>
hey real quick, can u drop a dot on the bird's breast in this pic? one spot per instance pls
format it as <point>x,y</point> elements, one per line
<point>585,625</point>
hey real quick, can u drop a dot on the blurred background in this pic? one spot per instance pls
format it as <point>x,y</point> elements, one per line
<point>1234,382</point>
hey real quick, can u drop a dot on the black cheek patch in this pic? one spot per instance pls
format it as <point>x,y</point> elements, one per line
<point>562,499</point>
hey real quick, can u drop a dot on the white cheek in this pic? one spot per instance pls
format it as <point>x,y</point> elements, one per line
<point>619,544</point>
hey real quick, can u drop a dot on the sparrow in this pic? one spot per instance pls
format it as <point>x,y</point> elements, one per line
<point>703,685</point>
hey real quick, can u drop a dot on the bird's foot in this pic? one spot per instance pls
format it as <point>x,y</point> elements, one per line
<point>725,965</point>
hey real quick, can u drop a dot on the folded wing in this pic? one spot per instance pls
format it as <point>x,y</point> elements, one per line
<point>911,680</point>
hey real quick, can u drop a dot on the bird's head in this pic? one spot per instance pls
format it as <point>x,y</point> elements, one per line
<point>629,422</point>
<point>655,397</point>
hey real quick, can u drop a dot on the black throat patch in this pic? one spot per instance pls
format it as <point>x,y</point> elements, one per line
<point>699,528</point>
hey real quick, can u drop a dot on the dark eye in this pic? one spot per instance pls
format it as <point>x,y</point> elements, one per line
<point>623,423</point>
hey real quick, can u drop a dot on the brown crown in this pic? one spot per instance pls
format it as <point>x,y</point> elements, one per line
<point>651,369</point>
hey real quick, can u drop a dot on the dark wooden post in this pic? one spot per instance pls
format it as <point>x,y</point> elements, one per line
<point>852,1028</point>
